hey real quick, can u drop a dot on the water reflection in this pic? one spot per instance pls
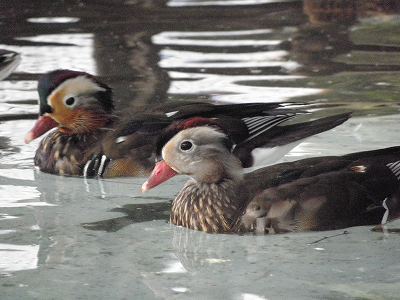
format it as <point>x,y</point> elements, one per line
<point>209,40</point>
<point>18,91</point>
<point>134,213</point>
<point>7,217</point>
<point>180,3</point>
<point>174,266</point>
<point>12,195</point>
<point>249,296</point>
<point>113,241</point>
<point>348,12</point>
<point>13,152</point>
<point>24,174</point>
<point>236,88</point>
<point>46,52</point>
<point>18,257</point>
<point>198,72</point>
<point>53,20</point>
<point>9,60</point>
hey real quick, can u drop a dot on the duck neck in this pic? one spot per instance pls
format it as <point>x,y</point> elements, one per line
<point>210,207</point>
<point>89,127</point>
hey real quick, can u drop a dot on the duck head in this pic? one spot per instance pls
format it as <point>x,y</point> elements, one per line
<point>75,102</point>
<point>203,152</point>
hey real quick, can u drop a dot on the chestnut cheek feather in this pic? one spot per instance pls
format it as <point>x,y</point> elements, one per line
<point>42,125</point>
<point>161,172</point>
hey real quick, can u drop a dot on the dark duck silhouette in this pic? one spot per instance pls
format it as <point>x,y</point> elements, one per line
<point>92,139</point>
<point>9,60</point>
<point>321,193</point>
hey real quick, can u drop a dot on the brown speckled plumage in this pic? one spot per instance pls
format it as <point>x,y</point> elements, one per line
<point>64,154</point>
<point>207,207</point>
<point>322,193</point>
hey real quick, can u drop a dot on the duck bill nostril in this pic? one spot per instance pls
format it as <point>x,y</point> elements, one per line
<point>161,172</point>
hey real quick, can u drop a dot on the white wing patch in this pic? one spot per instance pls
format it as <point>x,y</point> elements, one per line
<point>263,157</point>
<point>171,113</point>
<point>121,139</point>
<point>395,168</point>
<point>260,124</point>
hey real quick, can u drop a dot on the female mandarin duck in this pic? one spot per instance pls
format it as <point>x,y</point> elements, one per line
<point>92,140</point>
<point>320,193</point>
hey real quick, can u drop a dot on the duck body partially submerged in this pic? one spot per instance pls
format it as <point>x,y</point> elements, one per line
<point>320,193</point>
<point>325,193</point>
<point>91,139</point>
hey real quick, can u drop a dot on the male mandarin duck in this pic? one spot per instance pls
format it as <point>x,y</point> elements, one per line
<point>322,193</point>
<point>9,60</point>
<point>93,140</point>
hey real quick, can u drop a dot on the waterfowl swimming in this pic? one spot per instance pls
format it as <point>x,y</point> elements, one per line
<point>91,139</point>
<point>320,193</point>
<point>9,60</point>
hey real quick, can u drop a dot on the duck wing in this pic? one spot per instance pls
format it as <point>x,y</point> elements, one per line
<point>127,149</point>
<point>276,138</point>
<point>183,110</point>
<point>325,193</point>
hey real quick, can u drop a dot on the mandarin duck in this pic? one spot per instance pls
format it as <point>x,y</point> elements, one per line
<point>9,60</point>
<point>91,139</point>
<point>321,193</point>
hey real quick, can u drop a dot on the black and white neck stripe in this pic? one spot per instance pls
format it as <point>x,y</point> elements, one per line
<point>96,166</point>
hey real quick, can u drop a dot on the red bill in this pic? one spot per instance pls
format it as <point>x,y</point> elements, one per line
<point>161,172</point>
<point>42,125</point>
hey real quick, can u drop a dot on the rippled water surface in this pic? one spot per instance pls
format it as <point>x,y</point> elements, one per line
<point>69,238</point>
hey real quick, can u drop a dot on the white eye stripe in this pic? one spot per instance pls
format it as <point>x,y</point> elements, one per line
<point>79,85</point>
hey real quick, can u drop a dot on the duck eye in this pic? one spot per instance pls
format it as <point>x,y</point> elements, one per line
<point>70,101</point>
<point>186,146</point>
